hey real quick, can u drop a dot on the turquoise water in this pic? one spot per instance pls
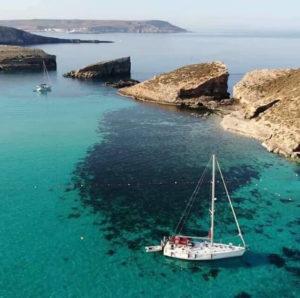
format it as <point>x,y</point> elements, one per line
<point>89,178</point>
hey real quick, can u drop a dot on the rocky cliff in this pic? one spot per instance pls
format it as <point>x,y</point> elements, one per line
<point>192,86</point>
<point>12,36</point>
<point>111,68</point>
<point>20,58</point>
<point>268,108</point>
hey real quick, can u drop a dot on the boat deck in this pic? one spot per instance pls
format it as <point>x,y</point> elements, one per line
<point>202,251</point>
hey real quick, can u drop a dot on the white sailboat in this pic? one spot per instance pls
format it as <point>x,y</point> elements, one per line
<point>46,86</point>
<point>201,248</point>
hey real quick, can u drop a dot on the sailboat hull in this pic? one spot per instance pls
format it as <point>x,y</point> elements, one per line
<point>43,88</point>
<point>202,251</point>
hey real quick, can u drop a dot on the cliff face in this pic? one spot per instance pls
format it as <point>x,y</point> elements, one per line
<point>104,69</point>
<point>269,110</point>
<point>192,86</point>
<point>12,36</point>
<point>20,58</point>
<point>94,26</point>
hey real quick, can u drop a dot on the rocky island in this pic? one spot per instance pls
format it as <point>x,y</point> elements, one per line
<point>21,58</point>
<point>194,86</point>
<point>111,68</point>
<point>12,36</point>
<point>93,26</point>
<point>268,109</point>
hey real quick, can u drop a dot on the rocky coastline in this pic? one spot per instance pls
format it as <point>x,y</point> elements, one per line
<point>15,58</point>
<point>120,67</point>
<point>268,109</point>
<point>265,103</point>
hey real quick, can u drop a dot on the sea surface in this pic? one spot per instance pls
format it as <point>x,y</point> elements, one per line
<point>88,178</point>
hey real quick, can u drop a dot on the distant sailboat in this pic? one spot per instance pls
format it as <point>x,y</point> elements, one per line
<point>201,248</point>
<point>46,86</point>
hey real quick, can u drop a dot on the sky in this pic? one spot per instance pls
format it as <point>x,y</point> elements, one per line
<point>190,14</point>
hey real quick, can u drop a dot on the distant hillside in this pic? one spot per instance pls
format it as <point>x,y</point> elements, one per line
<point>12,36</point>
<point>93,26</point>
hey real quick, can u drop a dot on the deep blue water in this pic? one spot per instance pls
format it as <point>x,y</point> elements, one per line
<point>89,178</point>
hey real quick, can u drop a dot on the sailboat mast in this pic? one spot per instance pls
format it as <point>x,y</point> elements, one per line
<point>44,72</point>
<point>212,201</point>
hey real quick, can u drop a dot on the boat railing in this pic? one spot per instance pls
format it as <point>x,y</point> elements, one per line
<point>194,237</point>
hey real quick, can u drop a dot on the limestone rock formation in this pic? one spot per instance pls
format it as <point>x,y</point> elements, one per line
<point>192,86</point>
<point>269,109</point>
<point>111,68</point>
<point>21,58</point>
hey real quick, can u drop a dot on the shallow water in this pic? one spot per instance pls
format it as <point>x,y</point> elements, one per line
<point>89,178</point>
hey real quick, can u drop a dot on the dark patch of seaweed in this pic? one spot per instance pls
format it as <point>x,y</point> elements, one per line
<point>276,260</point>
<point>242,295</point>
<point>130,178</point>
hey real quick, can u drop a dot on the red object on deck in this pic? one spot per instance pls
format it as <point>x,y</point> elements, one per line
<point>181,240</point>
<point>209,234</point>
<point>184,240</point>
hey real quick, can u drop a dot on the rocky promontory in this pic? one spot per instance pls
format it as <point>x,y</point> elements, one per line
<point>12,36</point>
<point>104,69</point>
<point>268,108</point>
<point>21,58</point>
<point>191,86</point>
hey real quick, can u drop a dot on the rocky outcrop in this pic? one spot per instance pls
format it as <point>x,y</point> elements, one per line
<point>268,103</point>
<point>12,36</point>
<point>190,86</point>
<point>21,58</point>
<point>111,68</point>
<point>122,83</point>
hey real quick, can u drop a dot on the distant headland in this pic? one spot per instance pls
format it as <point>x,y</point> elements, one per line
<point>12,36</point>
<point>93,26</point>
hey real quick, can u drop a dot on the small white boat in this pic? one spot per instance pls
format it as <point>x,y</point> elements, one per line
<point>201,248</point>
<point>154,248</point>
<point>44,87</point>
